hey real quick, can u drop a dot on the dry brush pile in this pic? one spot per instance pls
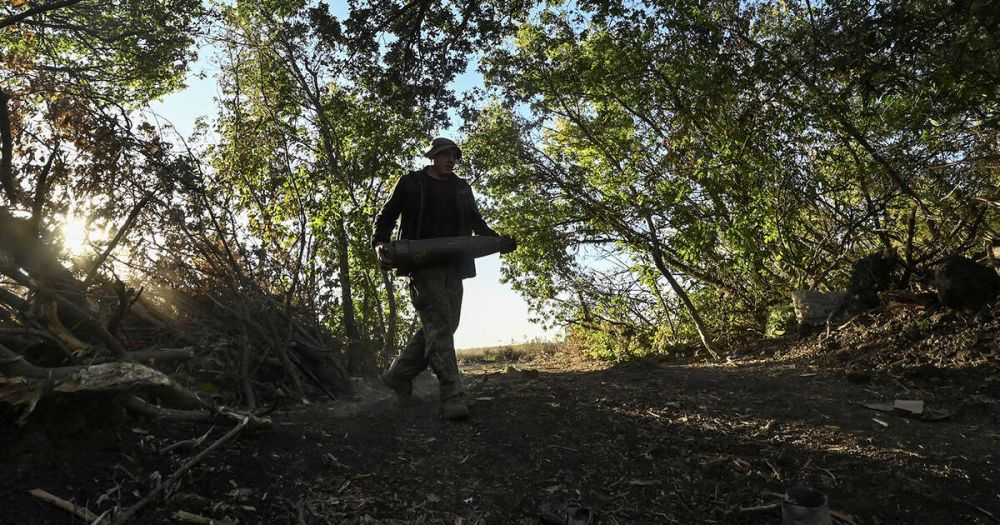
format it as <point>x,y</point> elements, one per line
<point>204,321</point>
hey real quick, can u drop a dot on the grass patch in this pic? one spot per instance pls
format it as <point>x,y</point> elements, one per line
<point>509,353</point>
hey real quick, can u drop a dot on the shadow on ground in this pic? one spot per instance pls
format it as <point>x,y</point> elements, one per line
<point>639,444</point>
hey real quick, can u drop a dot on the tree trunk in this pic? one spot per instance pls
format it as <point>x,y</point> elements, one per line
<point>354,357</point>
<point>7,182</point>
<point>676,286</point>
<point>661,265</point>
<point>389,348</point>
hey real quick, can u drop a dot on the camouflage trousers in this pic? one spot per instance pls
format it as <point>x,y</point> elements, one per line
<point>436,293</point>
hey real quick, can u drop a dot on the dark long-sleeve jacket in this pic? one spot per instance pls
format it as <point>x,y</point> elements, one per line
<point>407,204</point>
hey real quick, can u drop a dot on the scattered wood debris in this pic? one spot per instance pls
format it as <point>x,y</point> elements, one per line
<point>73,508</point>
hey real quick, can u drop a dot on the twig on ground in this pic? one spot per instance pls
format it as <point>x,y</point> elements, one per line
<point>73,508</point>
<point>848,323</point>
<point>841,518</point>
<point>760,508</point>
<point>129,512</point>
<point>188,517</point>
<point>901,385</point>
<point>193,442</point>
<point>832,476</point>
<point>777,473</point>
<point>300,507</point>
<point>980,509</point>
<point>142,407</point>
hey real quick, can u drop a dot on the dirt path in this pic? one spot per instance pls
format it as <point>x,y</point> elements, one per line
<point>639,444</point>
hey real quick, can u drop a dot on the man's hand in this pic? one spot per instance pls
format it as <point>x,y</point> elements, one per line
<point>512,243</point>
<point>384,261</point>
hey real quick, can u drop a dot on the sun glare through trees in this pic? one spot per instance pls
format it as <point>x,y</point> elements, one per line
<point>81,237</point>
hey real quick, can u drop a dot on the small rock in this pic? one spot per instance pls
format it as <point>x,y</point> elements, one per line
<point>913,407</point>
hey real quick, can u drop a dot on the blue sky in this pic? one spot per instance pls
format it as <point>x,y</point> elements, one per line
<point>492,313</point>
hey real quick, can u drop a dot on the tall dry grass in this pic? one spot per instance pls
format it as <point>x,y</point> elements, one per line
<point>511,353</point>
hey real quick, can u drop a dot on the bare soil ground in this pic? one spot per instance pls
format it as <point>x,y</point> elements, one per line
<point>652,442</point>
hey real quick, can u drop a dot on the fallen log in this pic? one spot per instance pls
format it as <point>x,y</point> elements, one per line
<point>22,331</point>
<point>905,298</point>
<point>26,383</point>
<point>126,377</point>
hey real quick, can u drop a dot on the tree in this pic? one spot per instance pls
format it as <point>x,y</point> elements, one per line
<point>734,146</point>
<point>326,151</point>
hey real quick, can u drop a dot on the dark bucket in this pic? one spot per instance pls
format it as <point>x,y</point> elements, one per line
<point>805,506</point>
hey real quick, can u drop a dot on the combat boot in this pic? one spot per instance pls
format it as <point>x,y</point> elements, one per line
<point>403,389</point>
<point>454,408</point>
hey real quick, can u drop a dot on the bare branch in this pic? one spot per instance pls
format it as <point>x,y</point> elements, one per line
<point>41,188</point>
<point>6,150</point>
<point>77,510</point>
<point>118,237</point>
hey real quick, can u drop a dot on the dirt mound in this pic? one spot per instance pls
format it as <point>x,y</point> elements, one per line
<point>902,340</point>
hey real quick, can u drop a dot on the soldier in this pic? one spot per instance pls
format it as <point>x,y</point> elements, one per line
<point>432,202</point>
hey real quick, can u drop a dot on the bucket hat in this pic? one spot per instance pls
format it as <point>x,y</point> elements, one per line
<point>441,144</point>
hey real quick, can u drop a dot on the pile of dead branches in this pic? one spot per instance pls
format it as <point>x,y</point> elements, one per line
<point>66,331</point>
<point>209,322</point>
<point>61,334</point>
<point>54,340</point>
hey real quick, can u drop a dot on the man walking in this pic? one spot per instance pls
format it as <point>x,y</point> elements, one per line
<point>432,202</point>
